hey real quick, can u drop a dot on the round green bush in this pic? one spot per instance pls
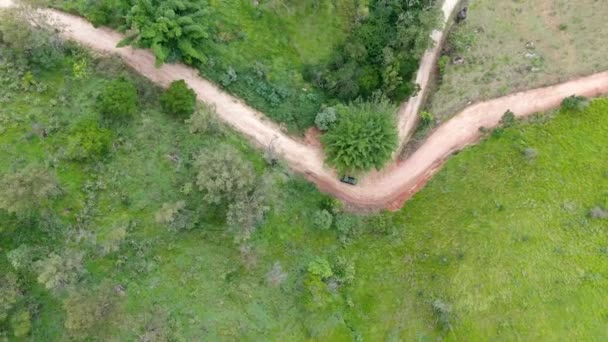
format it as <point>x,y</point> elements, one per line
<point>118,100</point>
<point>364,137</point>
<point>88,141</point>
<point>178,99</point>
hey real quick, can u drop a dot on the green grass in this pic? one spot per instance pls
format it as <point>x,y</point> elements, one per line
<point>502,238</point>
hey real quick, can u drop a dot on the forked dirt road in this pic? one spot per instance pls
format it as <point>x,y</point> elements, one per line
<point>389,188</point>
<point>407,117</point>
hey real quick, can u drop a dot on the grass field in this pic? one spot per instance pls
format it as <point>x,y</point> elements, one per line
<point>500,244</point>
<point>509,46</point>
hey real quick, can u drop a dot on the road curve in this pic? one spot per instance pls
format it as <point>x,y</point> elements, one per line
<point>407,117</point>
<point>388,188</point>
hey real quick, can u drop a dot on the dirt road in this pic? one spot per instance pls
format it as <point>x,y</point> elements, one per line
<point>386,189</point>
<point>407,117</point>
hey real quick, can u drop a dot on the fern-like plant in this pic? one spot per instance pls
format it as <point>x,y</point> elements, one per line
<point>363,139</point>
<point>173,29</point>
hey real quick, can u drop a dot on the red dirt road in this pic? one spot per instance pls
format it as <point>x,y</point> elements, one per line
<point>389,188</point>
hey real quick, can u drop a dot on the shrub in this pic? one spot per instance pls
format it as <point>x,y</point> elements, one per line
<point>427,118</point>
<point>27,189</point>
<point>443,314</point>
<point>34,45</point>
<point>223,174</point>
<point>276,276</point>
<point>244,215</point>
<point>21,258</point>
<point>118,100</point>
<point>88,141</point>
<point>326,118</point>
<point>84,310</point>
<point>322,219</point>
<point>178,99</point>
<point>363,139</point>
<point>381,224</point>
<point>347,224</point>
<point>344,271</point>
<point>320,268</point>
<point>508,119</point>
<point>202,120</point>
<point>575,103</point>
<point>598,213</point>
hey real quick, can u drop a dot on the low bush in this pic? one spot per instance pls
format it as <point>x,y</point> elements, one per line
<point>322,219</point>
<point>89,141</point>
<point>27,189</point>
<point>223,174</point>
<point>118,100</point>
<point>575,103</point>
<point>178,99</point>
<point>326,118</point>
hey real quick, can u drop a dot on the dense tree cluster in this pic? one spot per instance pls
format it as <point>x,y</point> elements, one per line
<point>381,53</point>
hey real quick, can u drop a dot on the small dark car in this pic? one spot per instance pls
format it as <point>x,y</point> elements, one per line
<point>349,180</point>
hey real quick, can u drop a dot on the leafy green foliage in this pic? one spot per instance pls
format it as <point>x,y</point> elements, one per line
<point>27,189</point>
<point>323,219</point>
<point>60,271</point>
<point>320,268</point>
<point>174,29</point>
<point>21,322</point>
<point>382,52</point>
<point>178,99</point>
<point>118,100</point>
<point>364,137</point>
<point>30,45</point>
<point>223,175</point>
<point>9,293</point>
<point>575,103</point>
<point>326,118</point>
<point>88,141</point>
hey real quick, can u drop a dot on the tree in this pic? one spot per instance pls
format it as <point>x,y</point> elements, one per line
<point>27,189</point>
<point>9,293</point>
<point>364,137</point>
<point>223,174</point>
<point>172,29</point>
<point>178,99</point>
<point>89,141</point>
<point>59,271</point>
<point>118,100</point>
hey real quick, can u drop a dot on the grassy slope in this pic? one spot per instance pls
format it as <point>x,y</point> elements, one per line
<point>567,39</point>
<point>505,240</point>
<point>283,38</point>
